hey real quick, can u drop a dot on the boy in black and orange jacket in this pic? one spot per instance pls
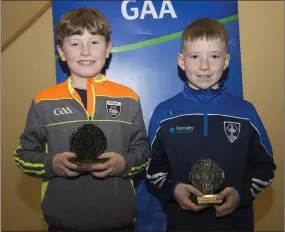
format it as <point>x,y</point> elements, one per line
<point>104,199</point>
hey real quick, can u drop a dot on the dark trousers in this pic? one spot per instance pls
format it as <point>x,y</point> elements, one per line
<point>130,228</point>
<point>206,220</point>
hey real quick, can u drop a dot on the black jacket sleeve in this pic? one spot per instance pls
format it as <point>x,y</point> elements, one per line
<point>31,156</point>
<point>261,166</point>
<point>158,173</point>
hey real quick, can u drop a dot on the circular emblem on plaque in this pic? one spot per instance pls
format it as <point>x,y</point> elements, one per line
<point>88,142</point>
<point>206,175</point>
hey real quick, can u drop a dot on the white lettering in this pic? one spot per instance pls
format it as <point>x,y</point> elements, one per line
<point>65,110</point>
<point>57,111</point>
<point>186,128</point>
<point>132,9</point>
<point>132,13</point>
<point>170,10</point>
<point>151,10</point>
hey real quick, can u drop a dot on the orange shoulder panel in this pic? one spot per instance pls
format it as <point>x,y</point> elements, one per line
<point>113,89</point>
<point>56,92</point>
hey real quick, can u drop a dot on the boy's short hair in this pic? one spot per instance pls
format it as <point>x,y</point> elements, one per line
<point>205,28</point>
<point>75,21</point>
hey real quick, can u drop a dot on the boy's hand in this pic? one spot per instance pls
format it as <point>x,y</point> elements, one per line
<point>113,167</point>
<point>182,193</point>
<point>61,165</point>
<point>232,200</point>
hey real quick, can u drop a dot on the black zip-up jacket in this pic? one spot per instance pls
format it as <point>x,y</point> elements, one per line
<point>85,203</point>
<point>208,124</point>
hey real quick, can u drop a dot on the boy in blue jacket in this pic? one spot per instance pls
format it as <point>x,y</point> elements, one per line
<point>206,121</point>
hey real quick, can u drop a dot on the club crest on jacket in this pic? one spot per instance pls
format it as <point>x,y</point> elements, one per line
<point>232,130</point>
<point>113,108</point>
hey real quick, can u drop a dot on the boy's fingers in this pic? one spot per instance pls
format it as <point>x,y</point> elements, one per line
<point>194,191</point>
<point>101,166</point>
<point>102,174</point>
<point>69,155</point>
<point>224,193</point>
<point>71,173</point>
<point>188,204</point>
<point>66,172</point>
<point>222,208</point>
<point>106,155</point>
<point>69,165</point>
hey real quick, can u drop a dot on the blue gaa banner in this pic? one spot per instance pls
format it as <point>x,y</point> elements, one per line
<point>146,41</point>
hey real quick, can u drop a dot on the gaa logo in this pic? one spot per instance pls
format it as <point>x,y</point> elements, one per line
<point>59,111</point>
<point>131,11</point>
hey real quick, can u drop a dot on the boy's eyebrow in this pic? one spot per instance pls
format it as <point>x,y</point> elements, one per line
<point>203,51</point>
<point>79,36</point>
<point>196,52</point>
<point>215,51</point>
<point>72,37</point>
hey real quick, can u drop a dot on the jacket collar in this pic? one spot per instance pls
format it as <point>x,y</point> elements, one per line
<point>103,79</point>
<point>91,95</point>
<point>204,95</point>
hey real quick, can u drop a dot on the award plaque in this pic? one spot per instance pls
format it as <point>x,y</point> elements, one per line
<point>207,176</point>
<point>87,142</point>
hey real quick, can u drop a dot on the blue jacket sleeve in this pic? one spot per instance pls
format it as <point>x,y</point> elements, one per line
<point>261,167</point>
<point>158,173</point>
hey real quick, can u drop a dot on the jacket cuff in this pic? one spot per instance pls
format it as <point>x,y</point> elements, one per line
<point>128,166</point>
<point>169,191</point>
<point>245,197</point>
<point>48,166</point>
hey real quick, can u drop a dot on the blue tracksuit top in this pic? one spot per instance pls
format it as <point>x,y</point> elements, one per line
<point>199,124</point>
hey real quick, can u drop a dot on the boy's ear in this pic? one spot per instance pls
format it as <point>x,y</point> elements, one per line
<point>108,50</point>
<point>181,61</point>
<point>61,53</point>
<point>227,61</point>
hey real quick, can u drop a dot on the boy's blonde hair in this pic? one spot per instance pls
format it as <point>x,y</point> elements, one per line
<point>76,21</point>
<point>205,28</point>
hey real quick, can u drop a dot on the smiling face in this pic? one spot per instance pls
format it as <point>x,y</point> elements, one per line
<point>203,61</point>
<point>85,54</point>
